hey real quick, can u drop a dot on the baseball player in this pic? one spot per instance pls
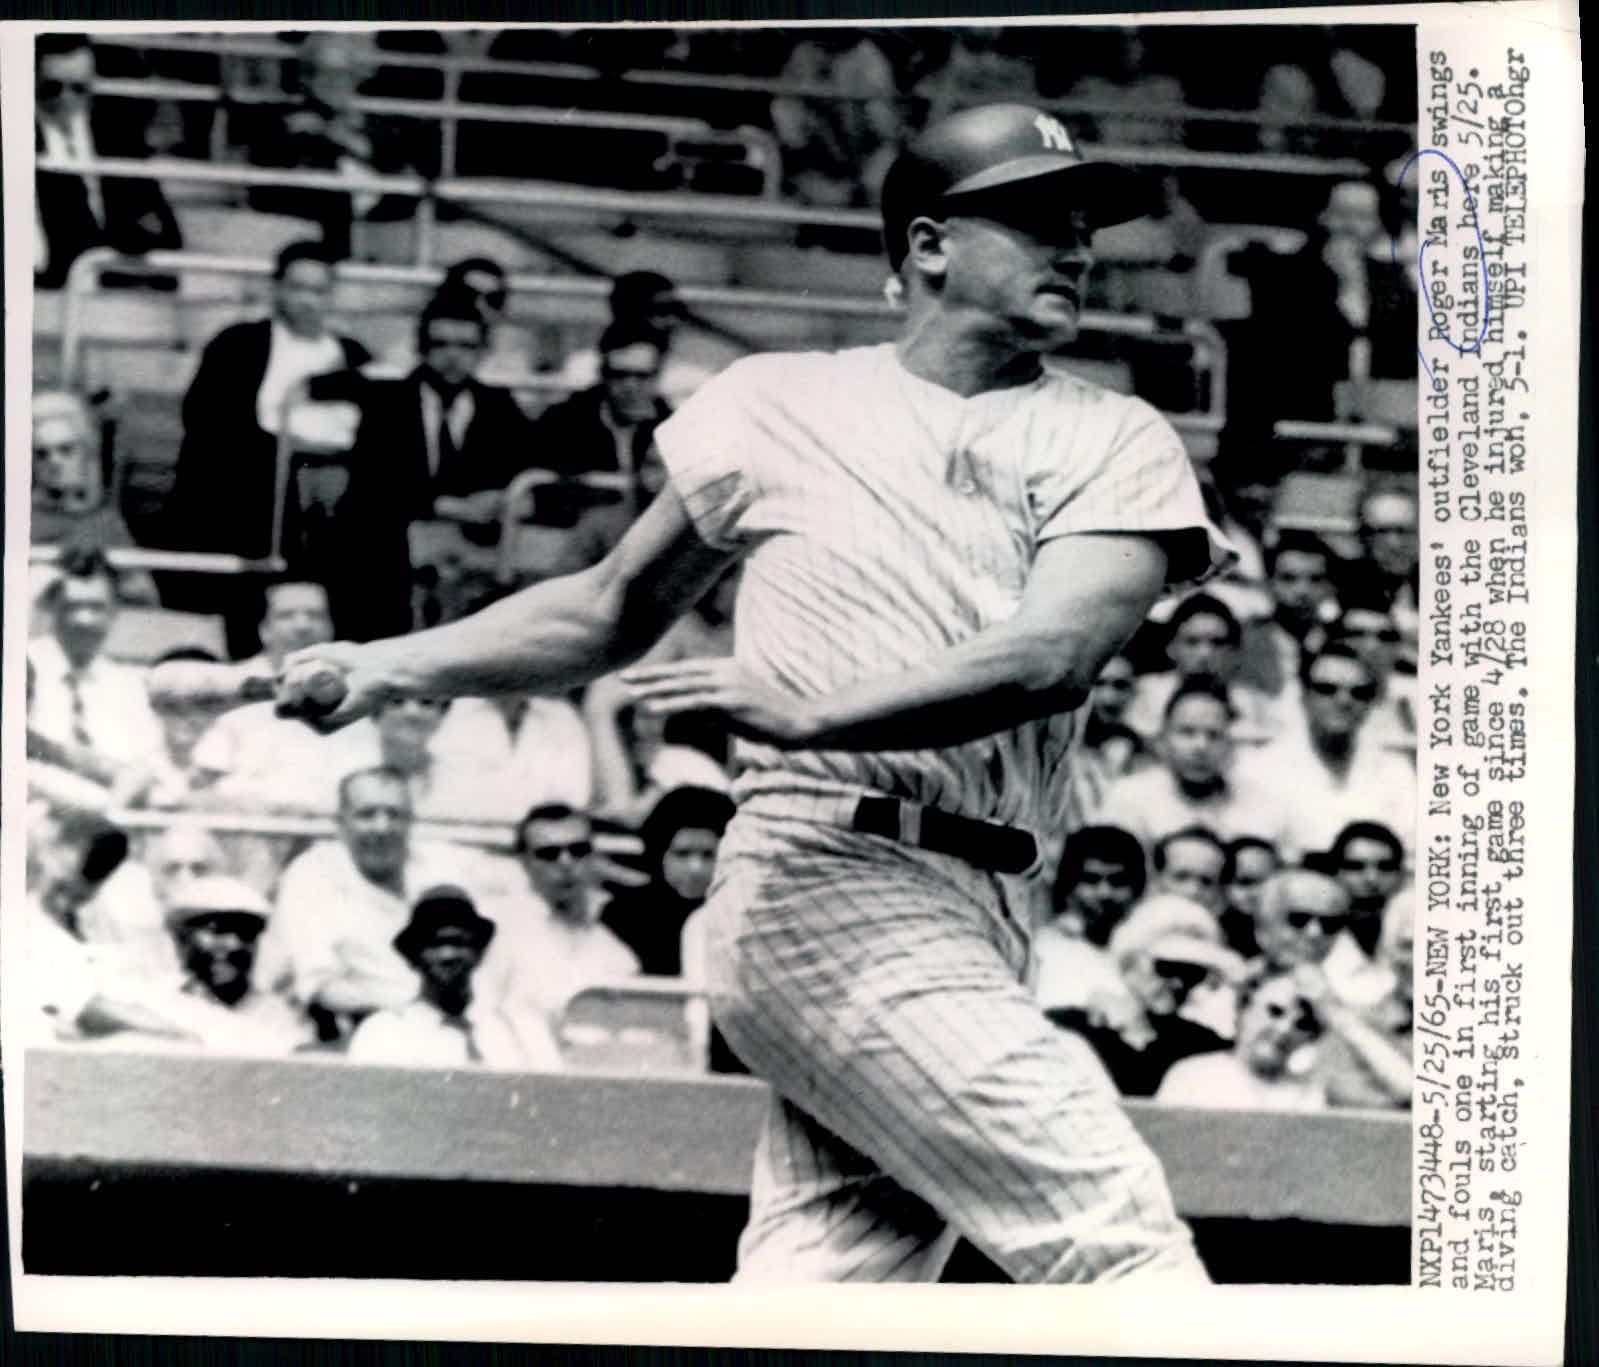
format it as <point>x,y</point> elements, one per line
<point>942,542</point>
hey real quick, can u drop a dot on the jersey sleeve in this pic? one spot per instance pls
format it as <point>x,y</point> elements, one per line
<point>1126,470</point>
<point>713,448</point>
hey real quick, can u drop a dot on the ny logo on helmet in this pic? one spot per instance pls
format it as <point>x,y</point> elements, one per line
<point>1054,134</point>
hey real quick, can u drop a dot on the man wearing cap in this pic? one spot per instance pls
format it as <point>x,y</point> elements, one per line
<point>447,1025</point>
<point>942,544</point>
<point>216,922</point>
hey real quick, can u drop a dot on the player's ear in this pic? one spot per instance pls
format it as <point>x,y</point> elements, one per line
<point>926,246</point>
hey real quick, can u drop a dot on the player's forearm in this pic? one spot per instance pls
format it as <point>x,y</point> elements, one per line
<point>999,679</point>
<point>550,638</point>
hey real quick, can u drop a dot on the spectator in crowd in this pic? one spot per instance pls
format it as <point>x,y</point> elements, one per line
<point>216,922</point>
<point>321,129</point>
<point>341,903</point>
<point>1203,640</point>
<point>250,755</point>
<point>1193,784</point>
<point>837,144</point>
<point>71,503</point>
<point>1101,876</point>
<point>1267,1069</point>
<point>608,429</point>
<point>1301,914</point>
<point>1133,104</point>
<point>1336,773</point>
<point>1250,862</point>
<point>75,211</point>
<point>1368,859</point>
<point>648,302</point>
<point>1344,298</point>
<point>1365,1059</point>
<point>448,1024</point>
<point>1165,949</point>
<point>1286,101</point>
<point>82,700</point>
<point>1366,625</point>
<point>639,756</point>
<point>555,943</point>
<point>1299,569</point>
<point>448,776</point>
<point>1189,863</point>
<point>681,835</point>
<point>1109,748</point>
<point>184,721</point>
<point>224,487</point>
<point>78,990</point>
<point>1387,520</point>
<point>438,442</point>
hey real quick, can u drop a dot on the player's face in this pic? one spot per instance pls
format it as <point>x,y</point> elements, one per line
<point>1370,872</point>
<point>1022,267</point>
<point>689,862</point>
<point>1195,740</point>
<point>1193,870</point>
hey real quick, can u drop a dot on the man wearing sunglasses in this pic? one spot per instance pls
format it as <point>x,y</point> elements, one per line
<point>1301,916</point>
<point>555,944</point>
<point>1327,769</point>
<point>77,210</point>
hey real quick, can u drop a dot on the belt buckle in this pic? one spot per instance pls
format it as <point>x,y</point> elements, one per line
<point>909,817</point>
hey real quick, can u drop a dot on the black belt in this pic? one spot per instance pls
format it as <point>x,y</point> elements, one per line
<point>983,844</point>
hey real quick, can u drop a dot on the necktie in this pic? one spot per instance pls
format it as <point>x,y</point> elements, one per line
<point>446,442</point>
<point>80,720</point>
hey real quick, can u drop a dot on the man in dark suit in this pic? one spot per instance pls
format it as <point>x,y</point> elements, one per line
<point>608,428</point>
<point>76,212</point>
<point>438,434</point>
<point>224,488</point>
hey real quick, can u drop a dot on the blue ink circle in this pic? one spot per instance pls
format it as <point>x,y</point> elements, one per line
<point>1421,260</point>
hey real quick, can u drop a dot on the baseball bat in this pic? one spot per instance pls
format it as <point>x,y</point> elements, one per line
<point>199,683</point>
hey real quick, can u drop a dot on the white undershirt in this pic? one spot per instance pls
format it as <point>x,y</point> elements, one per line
<point>291,359</point>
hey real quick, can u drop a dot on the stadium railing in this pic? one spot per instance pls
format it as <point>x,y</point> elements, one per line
<point>1209,352</point>
<point>324,1119</point>
<point>453,65</point>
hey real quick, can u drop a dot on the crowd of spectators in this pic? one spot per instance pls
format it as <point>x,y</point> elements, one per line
<point>436,885</point>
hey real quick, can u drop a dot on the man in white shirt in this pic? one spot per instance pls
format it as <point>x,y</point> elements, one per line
<point>341,903</point>
<point>449,1024</point>
<point>1193,784</point>
<point>1326,769</point>
<point>81,699</point>
<point>225,486</point>
<point>554,943</point>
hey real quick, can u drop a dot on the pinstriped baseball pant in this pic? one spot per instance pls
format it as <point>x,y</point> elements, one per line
<point>919,1093</point>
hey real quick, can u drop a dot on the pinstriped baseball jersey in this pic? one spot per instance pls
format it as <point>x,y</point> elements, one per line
<point>886,518</point>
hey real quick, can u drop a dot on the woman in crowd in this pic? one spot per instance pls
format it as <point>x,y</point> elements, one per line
<point>681,835</point>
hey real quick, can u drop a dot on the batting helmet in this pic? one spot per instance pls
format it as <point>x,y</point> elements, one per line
<point>996,147</point>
